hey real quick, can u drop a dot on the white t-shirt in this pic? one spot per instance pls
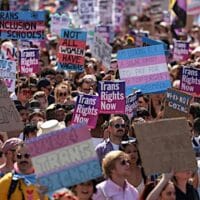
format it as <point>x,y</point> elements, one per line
<point>115,146</point>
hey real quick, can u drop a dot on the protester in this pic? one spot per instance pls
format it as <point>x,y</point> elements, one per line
<point>116,167</point>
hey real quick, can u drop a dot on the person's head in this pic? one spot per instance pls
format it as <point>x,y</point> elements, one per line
<point>130,147</point>
<point>143,101</point>
<point>49,73</point>
<point>65,195</point>
<point>84,191</point>
<point>42,98</point>
<point>44,85</point>
<point>23,159</point>
<point>143,113</point>
<point>182,175</point>
<point>36,117</point>
<point>168,192</point>
<point>60,112</point>
<point>194,111</point>
<point>116,164</point>
<point>24,112</point>
<point>62,91</point>
<point>9,148</point>
<point>116,127</point>
<point>196,126</point>
<point>23,92</point>
<point>30,131</point>
<point>87,84</point>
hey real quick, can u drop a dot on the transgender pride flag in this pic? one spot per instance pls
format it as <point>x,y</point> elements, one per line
<point>144,68</point>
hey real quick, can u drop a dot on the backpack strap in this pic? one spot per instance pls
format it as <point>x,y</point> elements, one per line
<point>13,186</point>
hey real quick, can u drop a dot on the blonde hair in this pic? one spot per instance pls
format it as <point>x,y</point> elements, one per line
<point>109,161</point>
<point>114,118</point>
<point>61,86</point>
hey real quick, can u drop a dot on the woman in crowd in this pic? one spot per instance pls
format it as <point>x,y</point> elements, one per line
<point>116,167</point>
<point>137,177</point>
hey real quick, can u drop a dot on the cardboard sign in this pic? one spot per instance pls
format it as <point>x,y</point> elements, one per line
<point>86,110</point>
<point>10,119</point>
<point>181,50</point>
<point>131,105</point>
<point>29,61</point>
<point>64,158</point>
<point>8,73</point>
<point>165,145</point>
<point>190,81</point>
<point>144,68</point>
<point>112,97</point>
<point>59,22</point>
<point>176,104</point>
<point>102,50</point>
<point>22,25</point>
<point>106,31</point>
<point>71,50</point>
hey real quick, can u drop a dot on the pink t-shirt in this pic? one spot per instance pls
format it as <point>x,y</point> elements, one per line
<point>108,190</point>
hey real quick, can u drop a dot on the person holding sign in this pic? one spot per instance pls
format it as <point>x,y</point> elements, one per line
<point>116,167</point>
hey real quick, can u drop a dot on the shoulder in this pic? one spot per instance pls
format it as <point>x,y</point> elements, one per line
<point>101,145</point>
<point>6,177</point>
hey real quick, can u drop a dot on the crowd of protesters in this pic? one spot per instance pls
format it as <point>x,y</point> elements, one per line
<point>46,102</point>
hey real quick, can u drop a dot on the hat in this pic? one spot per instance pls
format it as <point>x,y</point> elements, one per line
<point>10,144</point>
<point>50,126</point>
<point>90,76</point>
<point>43,83</point>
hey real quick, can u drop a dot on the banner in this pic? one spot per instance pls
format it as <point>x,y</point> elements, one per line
<point>59,22</point>
<point>181,50</point>
<point>10,119</point>
<point>102,50</point>
<point>193,7</point>
<point>86,110</point>
<point>64,158</point>
<point>166,149</point>
<point>71,50</point>
<point>8,73</point>
<point>144,68</point>
<point>112,97</point>
<point>177,103</point>
<point>131,105</point>
<point>29,61</point>
<point>190,81</point>
<point>22,25</point>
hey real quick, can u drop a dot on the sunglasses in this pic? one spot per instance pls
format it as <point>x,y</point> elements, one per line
<point>62,94</point>
<point>119,125</point>
<point>26,155</point>
<point>125,162</point>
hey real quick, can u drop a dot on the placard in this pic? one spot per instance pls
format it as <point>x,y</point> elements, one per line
<point>144,68</point>
<point>166,149</point>
<point>86,110</point>
<point>177,103</point>
<point>64,158</point>
<point>131,105</point>
<point>181,50</point>
<point>190,81</point>
<point>112,97</point>
<point>22,25</point>
<point>29,61</point>
<point>8,73</point>
<point>71,50</point>
<point>106,31</point>
<point>102,50</point>
<point>10,119</point>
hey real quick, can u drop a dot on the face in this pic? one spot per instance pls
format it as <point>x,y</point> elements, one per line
<point>60,115</point>
<point>51,78</point>
<point>168,193</point>
<point>24,115</point>
<point>118,128</point>
<point>23,159</point>
<point>61,96</point>
<point>183,175</point>
<point>36,118</point>
<point>122,167</point>
<point>84,190</point>
<point>142,103</point>
<point>87,86</point>
<point>24,95</point>
<point>43,102</point>
<point>133,152</point>
<point>47,90</point>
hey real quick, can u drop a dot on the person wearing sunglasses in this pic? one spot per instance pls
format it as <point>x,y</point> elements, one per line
<point>116,129</point>
<point>22,180</point>
<point>116,167</point>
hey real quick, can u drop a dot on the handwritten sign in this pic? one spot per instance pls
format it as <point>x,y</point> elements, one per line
<point>176,104</point>
<point>22,25</point>
<point>8,73</point>
<point>144,68</point>
<point>190,81</point>
<point>10,119</point>
<point>102,50</point>
<point>131,105</point>
<point>71,50</point>
<point>29,61</point>
<point>59,22</point>
<point>169,148</point>
<point>65,157</point>
<point>112,97</point>
<point>86,110</point>
<point>181,50</point>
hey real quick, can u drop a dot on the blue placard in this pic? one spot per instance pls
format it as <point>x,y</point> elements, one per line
<point>74,34</point>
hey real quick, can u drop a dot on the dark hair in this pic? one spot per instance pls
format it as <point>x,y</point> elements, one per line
<point>21,86</point>
<point>29,128</point>
<point>194,110</point>
<point>47,71</point>
<point>196,126</point>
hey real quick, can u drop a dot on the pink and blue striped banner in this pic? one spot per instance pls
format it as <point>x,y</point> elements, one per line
<point>144,68</point>
<point>64,158</point>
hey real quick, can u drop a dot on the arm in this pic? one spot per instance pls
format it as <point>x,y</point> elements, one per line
<point>5,182</point>
<point>155,193</point>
